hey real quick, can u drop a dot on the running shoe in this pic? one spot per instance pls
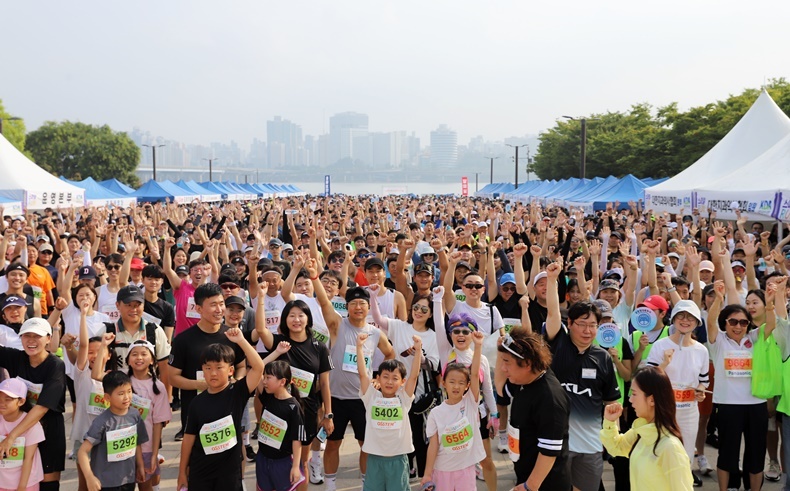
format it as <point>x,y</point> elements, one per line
<point>413,475</point>
<point>774,472</point>
<point>180,435</point>
<point>502,445</point>
<point>702,465</point>
<point>316,471</point>
<point>479,472</point>
<point>160,458</point>
<point>697,480</point>
<point>250,453</point>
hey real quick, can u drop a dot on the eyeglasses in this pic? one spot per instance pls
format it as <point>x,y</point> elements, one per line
<point>508,342</point>
<point>474,286</point>
<point>42,253</point>
<point>113,267</point>
<point>229,286</point>
<point>732,322</point>
<point>338,260</point>
<point>420,308</point>
<point>465,332</point>
<point>365,256</point>
<point>508,288</point>
<point>589,326</point>
<point>685,316</point>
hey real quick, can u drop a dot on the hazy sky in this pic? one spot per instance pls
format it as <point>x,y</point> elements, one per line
<point>202,71</point>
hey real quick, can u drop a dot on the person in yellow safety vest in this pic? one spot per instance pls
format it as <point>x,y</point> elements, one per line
<point>622,354</point>
<point>643,342</point>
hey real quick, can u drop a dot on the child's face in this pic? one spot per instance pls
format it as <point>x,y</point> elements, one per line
<point>121,397</point>
<point>217,373</point>
<point>93,352</point>
<point>390,382</point>
<point>9,405</point>
<point>271,384</point>
<point>456,383</point>
<point>140,359</point>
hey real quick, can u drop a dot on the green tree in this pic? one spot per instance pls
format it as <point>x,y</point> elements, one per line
<point>13,130</point>
<point>78,150</point>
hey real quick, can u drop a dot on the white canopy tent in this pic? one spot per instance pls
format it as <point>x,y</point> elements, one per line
<point>22,180</point>
<point>763,125</point>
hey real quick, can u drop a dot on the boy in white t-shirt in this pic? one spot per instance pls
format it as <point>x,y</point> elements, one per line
<point>387,427</point>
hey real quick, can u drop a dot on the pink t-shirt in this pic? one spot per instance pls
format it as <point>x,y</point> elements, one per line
<point>153,408</point>
<point>9,476</point>
<point>186,315</point>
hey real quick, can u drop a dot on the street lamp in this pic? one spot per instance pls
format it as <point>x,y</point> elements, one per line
<point>153,152</point>
<point>12,118</point>
<point>210,169</point>
<point>583,169</point>
<point>492,167</point>
<point>516,160</point>
<point>529,159</point>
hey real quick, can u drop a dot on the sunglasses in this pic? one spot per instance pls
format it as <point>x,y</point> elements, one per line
<point>465,332</point>
<point>338,260</point>
<point>735,322</point>
<point>508,288</point>
<point>42,253</point>
<point>420,308</point>
<point>113,267</point>
<point>508,343</point>
<point>474,286</point>
<point>229,286</point>
<point>366,256</point>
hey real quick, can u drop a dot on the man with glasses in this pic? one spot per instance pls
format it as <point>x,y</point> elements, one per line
<point>587,373</point>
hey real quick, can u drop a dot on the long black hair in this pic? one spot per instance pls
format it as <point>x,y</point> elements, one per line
<point>653,381</point>
<point>301,305</point>
<point>151,368</point>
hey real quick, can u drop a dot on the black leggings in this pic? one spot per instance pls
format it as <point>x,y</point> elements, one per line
<point>417,422</point>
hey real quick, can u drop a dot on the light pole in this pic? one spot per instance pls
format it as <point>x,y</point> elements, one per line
<point>210,169</point>
<point>12,118</point>
<point>476,175</point>
<point>492,167</point>
<point>516,159</point>
<point>153,152</point>
<point>583,121</point>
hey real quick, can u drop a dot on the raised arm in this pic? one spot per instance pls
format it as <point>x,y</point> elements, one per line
<point>364,377</point>
<point>713,312</point>
<point>553,317</point>
<point>255,363</point>
<point>414,373</point>
<point>381,320</point>
<point>288,285</point>
<point>449,278</point>
<point>167,264</point>
<point>474,387</point>
<point>518,269</point>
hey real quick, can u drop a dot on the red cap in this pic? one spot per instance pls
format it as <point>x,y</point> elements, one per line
<point>656,302</point>
<point>137,263</point>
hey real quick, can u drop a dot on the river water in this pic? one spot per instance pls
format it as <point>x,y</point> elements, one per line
<point>384,188</point>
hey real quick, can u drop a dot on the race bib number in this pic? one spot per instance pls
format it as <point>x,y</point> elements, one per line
<point>142,405</point>
<point>303,380</point>
<point>350,359</point>
<point>33,390</point>
<point>192,312</point>
<point>112,312</point>
<point>738,364</point>
<point>457,438</point>
<point>218,436</point>
<point>511,324</point>
<point>685,398</point>
<point>273,320</point>
<point>387,413</point>
<point>271,431</point>
<point>121,444</point>
<point>513,449</point>
<point>321,334</point>
<point>199,376</point>
<point>339,304</point>
<point>96,402</point>
<point>15,455</point>
<point>460,296</point>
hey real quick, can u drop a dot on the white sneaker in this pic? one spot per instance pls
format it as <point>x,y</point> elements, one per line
<point>323,446</point>
<point>774,472</point>
<point>316,472</point>
<point>330,486</point>
<point>702,465</point>
<point>479,472</point>
<point>502,445</point>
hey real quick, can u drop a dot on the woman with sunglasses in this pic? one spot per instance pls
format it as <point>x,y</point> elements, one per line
<point>731,343</point>
<point>118,269</point>
<point>459,332</point>
<point>400,334</point>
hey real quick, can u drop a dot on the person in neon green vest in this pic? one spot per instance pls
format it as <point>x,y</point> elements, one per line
<point>642,342</point>
<point>621,354</point>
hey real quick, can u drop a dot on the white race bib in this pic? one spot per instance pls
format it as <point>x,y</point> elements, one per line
<point>199,376</point>
<point>16,454</point>
<point>271,431</point>
<point>273,320</point>
<point>350,359</point>
<point>457,437</point>
<point>218,436</point>
<point>142,405</point>
<point>96,402</point>
<point>303,380</point>
<point>738,363</point>
<point>192,312</point>
<point>33,390</point>
<point>386,413</point>
<point>150,318</point>
<point>112,311</point>
<point>511,323</point>
<point>513,449</point>
<point>121,444</point>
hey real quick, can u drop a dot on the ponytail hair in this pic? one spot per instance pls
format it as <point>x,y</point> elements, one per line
<point>281,370</point>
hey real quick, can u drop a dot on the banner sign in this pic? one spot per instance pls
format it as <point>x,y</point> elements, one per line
<point>464,186</point>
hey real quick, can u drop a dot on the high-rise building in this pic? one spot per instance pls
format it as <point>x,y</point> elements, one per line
<point>259,155</point>
<point>444,147</point>
<point>284,140</point>
<point>344,130</point>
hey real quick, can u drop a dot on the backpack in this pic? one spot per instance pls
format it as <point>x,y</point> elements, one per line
<point>432,396</point>
<point>150,336</point>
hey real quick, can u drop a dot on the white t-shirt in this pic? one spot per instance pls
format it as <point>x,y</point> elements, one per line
<point>688,368</point>
<point>486,325</point>
<point>9,338</point>
<point>85,390</point>
<point>107,301</point>
<point>733,364</point>
<point>400,335</point>
<point>71,322</point>
<point>274,308</point>
<point>387,426</point>
<point>448,422</point>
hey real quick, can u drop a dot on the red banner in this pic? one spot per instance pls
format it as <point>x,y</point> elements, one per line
<point>464,186</point>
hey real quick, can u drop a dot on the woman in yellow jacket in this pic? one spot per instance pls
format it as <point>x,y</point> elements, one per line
<point>658,460</point>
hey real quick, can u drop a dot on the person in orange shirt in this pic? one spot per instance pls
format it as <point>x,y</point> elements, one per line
<point>39,278</point>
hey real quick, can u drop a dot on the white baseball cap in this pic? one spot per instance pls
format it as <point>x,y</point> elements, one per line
<point>36,325</point>
<point>539,277</point>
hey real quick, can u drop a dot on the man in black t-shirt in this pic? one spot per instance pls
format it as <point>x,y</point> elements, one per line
<point>185,371</point>
<point>587,373</point>
<point>157,310</point>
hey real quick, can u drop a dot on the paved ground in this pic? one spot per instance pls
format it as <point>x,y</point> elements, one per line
<point>348,475</point>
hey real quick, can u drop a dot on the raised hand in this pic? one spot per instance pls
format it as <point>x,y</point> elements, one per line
<point>283,347</point>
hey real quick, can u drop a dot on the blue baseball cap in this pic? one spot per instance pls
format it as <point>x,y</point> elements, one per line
<point>507,278</point>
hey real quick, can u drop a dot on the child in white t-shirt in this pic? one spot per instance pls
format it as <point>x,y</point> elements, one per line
<point>387,428</point>
<point>454,428</point>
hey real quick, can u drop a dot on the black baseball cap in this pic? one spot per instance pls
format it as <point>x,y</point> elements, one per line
<point>87,273</point>
<point>234,300</point>
<point>356,293</point>
<point>182,270</point>
<point>423,268</point>
<point>374,261</point>
<point>129,294</point>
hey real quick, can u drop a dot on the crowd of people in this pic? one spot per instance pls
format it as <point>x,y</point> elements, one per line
<point>442,329</point>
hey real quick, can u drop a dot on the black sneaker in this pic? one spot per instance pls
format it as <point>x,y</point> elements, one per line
<point>175,406</point>
<point>697,480</point>
<point>254,434</point>
<point>250,453</point>
<point>712,440</point>
<point>180,435</point>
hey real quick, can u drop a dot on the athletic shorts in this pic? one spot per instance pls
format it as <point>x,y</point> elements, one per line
<point>460,480</point>
<point>585,470</point>
<point>274,474</point>
<point>387,473</point>
<point>147,463</point>
<point>706,406</point>
<point>310,425</point>
<point>348,411</point>
<point>53,449</point>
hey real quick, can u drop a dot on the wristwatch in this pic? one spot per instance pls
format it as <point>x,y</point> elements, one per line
<point>329,416</point>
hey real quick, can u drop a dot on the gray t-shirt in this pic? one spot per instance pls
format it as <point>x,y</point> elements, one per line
<point>344,379</point>
<point>114,446</point>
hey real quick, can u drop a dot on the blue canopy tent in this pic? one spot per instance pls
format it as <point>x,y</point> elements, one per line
<point>230,195</point>
<point>579,198</point>
<point>240,192</point>
<point>264,189</point>
<point>98,195</point>
<point>629,188</point>
<point>205,195</point>
<point>117,186</point>
<point>153,191</point>
<point>523,189</point>
<point>252,189</point>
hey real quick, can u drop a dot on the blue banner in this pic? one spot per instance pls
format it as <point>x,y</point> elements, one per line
<point>327,185</point>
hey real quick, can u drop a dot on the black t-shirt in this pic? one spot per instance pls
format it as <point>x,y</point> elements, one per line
<point>537,314</point>
<point>510,308</point>
<point>540,412</point>
<point>310,356</point>
<point>162,310</point>
<point>189,345</point>
<point>209,408</point>
<point>51,375</point>
<point>287,410</point>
